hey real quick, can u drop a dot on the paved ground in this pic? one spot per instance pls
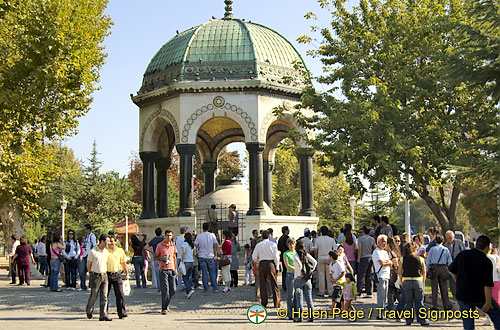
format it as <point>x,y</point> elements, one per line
<point>34,307</point>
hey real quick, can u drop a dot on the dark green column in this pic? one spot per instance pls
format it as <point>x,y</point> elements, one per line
<point>306,183</point>
<point>162,166</point>
<point>256,179</point>
<point>268,183</point>
<point>186,153</point>
<point>148,184</point>
<point>209,169</point>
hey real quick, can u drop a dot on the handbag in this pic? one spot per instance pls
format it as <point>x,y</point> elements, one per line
<point>60,257</point>
<point>126,288</point>
<point>375,275</point>
<point>431,273</point>
<point>224,261</point>
<point>182,269</point>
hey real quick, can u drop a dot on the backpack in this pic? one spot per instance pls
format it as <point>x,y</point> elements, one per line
<point>307,269</point>
<point>394,229</point>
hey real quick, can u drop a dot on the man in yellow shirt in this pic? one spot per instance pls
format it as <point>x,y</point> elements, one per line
<point>116,262</point>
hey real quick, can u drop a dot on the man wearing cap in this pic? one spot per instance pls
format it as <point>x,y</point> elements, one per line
<point>282,247</point>
<point>233,219</point>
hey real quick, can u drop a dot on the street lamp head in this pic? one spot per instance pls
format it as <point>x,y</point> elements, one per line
<point>352,201</point>
<point>64,204</point>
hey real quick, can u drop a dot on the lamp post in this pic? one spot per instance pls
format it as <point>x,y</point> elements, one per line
<point>126,233</point>
<point>64,204</point>
<point>352,201</point>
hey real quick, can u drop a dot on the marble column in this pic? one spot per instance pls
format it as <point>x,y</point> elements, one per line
<point>162,166</point>
<point>256,178</point>
<point>148,184</point>
<point>268,183</point>
<point>306,183</point>
<point>186,154</point>
<point>209,169</point>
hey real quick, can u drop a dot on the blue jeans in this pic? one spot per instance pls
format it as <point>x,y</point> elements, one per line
<point>167,285</point>
<point>44,266</point>
<point>138,262</point>
<point>82,269</point>
<point>208,269</point>
<point>414,295</point>
<point>303,289</point>
<point>401,301</point>
<point>493,313</point>
<point>382,287</point>
<point>195,276</point>
<point>188,278</point>
<point>290,291</point>
<point>156,267</point>
<point>55,268</point>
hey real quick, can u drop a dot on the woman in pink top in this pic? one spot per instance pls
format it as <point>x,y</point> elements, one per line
<point>55,264</point>
<point>226,255</point>
<point>350,251</point>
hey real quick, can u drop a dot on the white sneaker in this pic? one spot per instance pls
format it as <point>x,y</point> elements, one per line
<point>190,293</point>
<point>79,289</point>
<point>200,287</point>
<point>226,290</point>
<point>87,289</point>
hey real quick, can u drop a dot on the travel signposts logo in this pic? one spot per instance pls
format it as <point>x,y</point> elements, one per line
<point>257,314</point>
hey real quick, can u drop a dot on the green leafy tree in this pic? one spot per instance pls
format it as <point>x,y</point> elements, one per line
<point>476,61</point>
<point>481,204</point>
<point>388,110</point>
<point>50,55</point>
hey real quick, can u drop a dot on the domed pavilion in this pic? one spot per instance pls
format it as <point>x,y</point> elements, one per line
<point>209,86</point>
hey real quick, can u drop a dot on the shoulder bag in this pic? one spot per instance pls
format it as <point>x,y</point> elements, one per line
<point>431,273</point>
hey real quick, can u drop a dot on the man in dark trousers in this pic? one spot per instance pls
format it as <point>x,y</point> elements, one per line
<point>267,256</point>
<point>97,266</point>
<point>282,247</point>
<point>473,272</point>
<point>116,262</point>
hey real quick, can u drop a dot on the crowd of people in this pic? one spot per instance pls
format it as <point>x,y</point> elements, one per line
<point>345,269</point>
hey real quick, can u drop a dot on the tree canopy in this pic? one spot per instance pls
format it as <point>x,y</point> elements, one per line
<point>388,110</point>
<point>50,55</point>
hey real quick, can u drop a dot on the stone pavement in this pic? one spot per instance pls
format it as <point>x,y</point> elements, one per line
<point>35,307</point>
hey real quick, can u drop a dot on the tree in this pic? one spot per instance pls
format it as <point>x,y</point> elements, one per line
<point>50,55</point>
<point>229,165</point>
<point>476,61</point>
<point>481,204</point>
<point>396,114</point>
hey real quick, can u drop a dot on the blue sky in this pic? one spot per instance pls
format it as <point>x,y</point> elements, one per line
<point>140,29</point>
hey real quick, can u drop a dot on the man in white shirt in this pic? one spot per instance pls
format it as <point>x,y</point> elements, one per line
<point>88,244</point>
<point>322,246</point>
<point>178,245</point>
<point>267,256</point>
<point>382,264</point>
<point>207,247</point>
<point>97,266</point>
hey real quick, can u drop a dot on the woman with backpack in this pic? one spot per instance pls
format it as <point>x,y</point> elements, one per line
<point>304,265</point>
<point>72,253</point>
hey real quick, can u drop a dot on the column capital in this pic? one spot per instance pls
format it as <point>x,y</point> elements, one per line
<point>148,156</point>
<point>209,167</point>
<point>163,163</point>
<point>304,153</point>
<point>186,149</point>
<point>257,147</point>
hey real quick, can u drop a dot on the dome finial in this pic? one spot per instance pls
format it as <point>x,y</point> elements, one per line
<point>229,9</point>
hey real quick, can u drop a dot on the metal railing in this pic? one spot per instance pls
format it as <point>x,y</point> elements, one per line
<point>222,211</point>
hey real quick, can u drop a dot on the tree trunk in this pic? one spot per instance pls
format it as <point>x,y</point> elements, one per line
<point>445,215</point>
<point>11,223</point>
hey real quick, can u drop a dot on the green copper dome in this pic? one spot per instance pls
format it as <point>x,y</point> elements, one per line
<point>223,50</point>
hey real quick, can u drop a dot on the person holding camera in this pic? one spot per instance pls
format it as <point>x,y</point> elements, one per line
<point>167,253</point>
